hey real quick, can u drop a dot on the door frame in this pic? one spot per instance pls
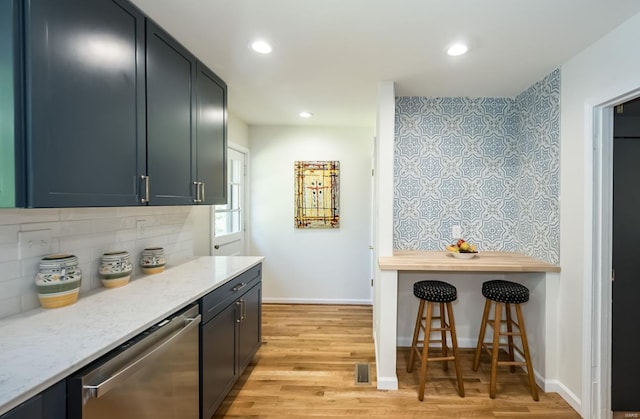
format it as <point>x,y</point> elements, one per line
<point>245,203</point>
<point>596,383</point>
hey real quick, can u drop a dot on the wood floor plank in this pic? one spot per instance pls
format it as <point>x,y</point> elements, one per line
<point>305,368</point>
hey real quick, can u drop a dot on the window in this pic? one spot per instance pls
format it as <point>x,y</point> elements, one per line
<point>228,218</point>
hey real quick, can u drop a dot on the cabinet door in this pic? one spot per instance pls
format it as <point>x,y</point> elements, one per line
<point>211,135</point>
<point>218,359</point>
<point>250,335</point>
<point>171,71</point>
<point>50,404</point>
<point>85,103</point>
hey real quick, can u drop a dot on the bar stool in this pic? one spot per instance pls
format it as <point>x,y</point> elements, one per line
<point>430,292</point>
<point>509,294</point>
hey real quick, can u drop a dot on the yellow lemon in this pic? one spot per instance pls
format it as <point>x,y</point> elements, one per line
<point>464,246</point>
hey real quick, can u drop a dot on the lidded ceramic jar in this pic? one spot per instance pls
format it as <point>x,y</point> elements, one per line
<point>115,269</point>
<point>152,260</point>
<point>58,280</point>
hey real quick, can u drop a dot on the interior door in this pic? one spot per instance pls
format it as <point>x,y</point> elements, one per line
<point>228,235</point>
<point>625,363</point>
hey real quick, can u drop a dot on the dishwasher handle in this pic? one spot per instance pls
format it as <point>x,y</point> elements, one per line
<point>138,363</point>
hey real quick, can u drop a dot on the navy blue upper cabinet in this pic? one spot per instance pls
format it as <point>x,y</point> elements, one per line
<point>85,103</point>
<point>186,125</point>
<point>171,71</point>
<point>100,107</point>
<point>211,137</point>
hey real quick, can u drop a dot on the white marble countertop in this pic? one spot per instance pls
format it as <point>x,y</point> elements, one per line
<point>43,346</point>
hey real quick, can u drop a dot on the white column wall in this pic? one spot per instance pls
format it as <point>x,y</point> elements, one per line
<point>385,282</point>
<point>607,69</point>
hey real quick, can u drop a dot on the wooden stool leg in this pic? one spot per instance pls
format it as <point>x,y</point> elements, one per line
<point>512,358</point>
<point>425,351</point>
<point>495,350</point>
<point>527,355</point>
<point>443,335</point>
<point>454,344</point>
<point>483,328</point>
<point>416,333</point>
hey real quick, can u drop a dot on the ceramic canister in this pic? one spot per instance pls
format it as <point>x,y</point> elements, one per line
<point>152,260</point>
<point>115,269</point>
<point>58,280</point>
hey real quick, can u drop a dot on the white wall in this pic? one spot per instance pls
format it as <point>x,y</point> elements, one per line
<point>237,131</point>
<point>607,69</point>
<point>314,265</point>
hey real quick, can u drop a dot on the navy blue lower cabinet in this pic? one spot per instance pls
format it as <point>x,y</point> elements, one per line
<point>50,404</point>
<point>230,336</point>
<point>218,354</point>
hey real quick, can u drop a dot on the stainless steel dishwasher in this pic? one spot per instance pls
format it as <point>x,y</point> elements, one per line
<point>154,375</point>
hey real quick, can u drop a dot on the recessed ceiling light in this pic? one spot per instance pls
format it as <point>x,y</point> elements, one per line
<point>261,47</point>
<point>457,49</point>
<point>305,114</point>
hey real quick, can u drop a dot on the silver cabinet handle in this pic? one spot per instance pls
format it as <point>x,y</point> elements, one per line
<point>239,287</point>
<point>145,179</point>
<point>243,310</point>
<point>197,188</point>
<point>202,198</point>
<point>145,359</point>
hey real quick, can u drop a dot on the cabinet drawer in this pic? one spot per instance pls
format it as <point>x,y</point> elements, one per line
<point>215,301</point>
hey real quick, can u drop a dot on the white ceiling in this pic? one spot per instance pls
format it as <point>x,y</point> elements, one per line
<point>329,55</point>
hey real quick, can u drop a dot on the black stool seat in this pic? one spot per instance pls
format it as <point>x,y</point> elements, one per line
<point>505,292</point>
<point>435,291</point>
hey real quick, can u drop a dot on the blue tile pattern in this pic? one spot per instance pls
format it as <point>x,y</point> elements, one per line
<point>490,165</point>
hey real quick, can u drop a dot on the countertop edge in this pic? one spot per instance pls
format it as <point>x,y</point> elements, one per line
<point>439,261</point>
<point>34,389</point>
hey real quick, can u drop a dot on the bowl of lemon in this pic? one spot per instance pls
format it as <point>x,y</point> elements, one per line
<point>462,250</point>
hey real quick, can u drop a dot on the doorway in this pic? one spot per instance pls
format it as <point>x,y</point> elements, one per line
<point>228,226</point>
<point>625,285</point>
<point>597,307</point>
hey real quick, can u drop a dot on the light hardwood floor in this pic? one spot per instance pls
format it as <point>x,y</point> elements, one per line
<point>305,368</point>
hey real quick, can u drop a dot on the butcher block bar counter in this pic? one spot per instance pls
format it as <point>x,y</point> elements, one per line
<point>420,260</point>
<point>395,305</point>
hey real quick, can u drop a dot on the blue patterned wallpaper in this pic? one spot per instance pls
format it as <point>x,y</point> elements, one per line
<point>490,165</point>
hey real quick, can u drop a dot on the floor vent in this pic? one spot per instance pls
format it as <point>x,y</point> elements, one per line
<point>362,374</point>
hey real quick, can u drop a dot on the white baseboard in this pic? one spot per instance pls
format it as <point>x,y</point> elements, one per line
<point>315,301</point>
<point>383,383</point>
<point>555,386</point>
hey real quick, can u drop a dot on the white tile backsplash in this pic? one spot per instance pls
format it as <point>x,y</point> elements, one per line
<point>87,233</point>
<point>9,234</point>
<point>9,270</point>
<point>9,252</point>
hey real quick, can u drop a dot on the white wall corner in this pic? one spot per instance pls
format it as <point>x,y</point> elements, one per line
<point>384,167</point>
